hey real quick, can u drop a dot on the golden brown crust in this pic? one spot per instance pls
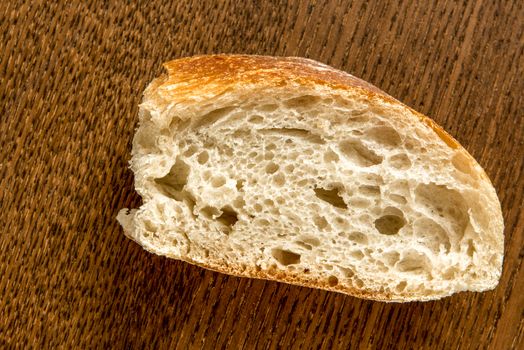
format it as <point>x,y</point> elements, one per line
<point>310,282</point>
<point>230,69</point>
<point>214,74</point>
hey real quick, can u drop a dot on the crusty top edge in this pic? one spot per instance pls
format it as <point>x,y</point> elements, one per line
<point>213,74</point>
<point>277,71</point>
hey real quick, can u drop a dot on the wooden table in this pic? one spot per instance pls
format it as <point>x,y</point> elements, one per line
<point>71,77</point>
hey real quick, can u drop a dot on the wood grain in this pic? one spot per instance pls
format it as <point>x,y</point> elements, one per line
<point>71,77</point>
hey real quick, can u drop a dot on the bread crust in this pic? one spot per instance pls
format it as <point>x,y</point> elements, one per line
<point>311,282</point>
<point>209,76</point>
<point>214,74</point>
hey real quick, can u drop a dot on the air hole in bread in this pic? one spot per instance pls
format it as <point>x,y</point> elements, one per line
<point>389,224</point>
<point>328,267</point>
<point>410,144</point>
<point>393,211</point>
<point>357,254</point>
<point>145,137</point>
<point>291,133</point>
<point>190,201</point>
<point>256,119</point>
<point>359,154</point>
<point>305,101</point>
<point>177,176</point>
<point>304,245</point>
<point>413,262</point>
<point>271,147</point>
<point>190,151</point>
<point>279,179</point>
<point>179,124</point>
<point>400,161</point>
<point>374,179</point>
<point>471,248</point>
<point>293,155</point>
<point>174,182</point>
<point>241,133</point>
<point>212,117</point>
<point>343,101</point>
<point>239,203</point>
<point>332,281</point>
<point>371,191</point>
<point>267,107</point>
<point>303,183</point>
<point>289,168</point>
<point>320,222</point>
<point>433,235</point>
<point>271,168</point>
<point>449,273</point>
<point>263,222</point>
<point>398,198</point>
<point>218,181</point>
<point>269,155</point>
<point>391,258</point>
<point>209,212</point>
<point>225,150</point>
<point>331,156</point>
<point>358,282</point>
<point>357,115</point>
<point>269,202</point>
<point>203,157</point>
<point>359,202</point>
<point>381,266</point>
<point>331,196</point>
<point>313,241</point>
<point>347,272</point>
<point>228,218</point>
<point>401,286</point>
<point>309,152</point>
<point>149,226</point>
<point>384,135</point>
<point>206,175</point>
<point>285,257</point>
<point>357,237</point>
<point>452,204</point>
<point>240,185</point>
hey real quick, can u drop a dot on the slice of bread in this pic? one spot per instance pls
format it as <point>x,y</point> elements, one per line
<point>289,170</point>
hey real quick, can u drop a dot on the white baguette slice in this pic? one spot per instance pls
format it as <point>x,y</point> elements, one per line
<point>289,170</point>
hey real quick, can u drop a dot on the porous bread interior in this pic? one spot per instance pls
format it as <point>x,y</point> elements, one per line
<point>327,186</point>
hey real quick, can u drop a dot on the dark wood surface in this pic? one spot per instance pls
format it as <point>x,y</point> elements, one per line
<point>71,77</point>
